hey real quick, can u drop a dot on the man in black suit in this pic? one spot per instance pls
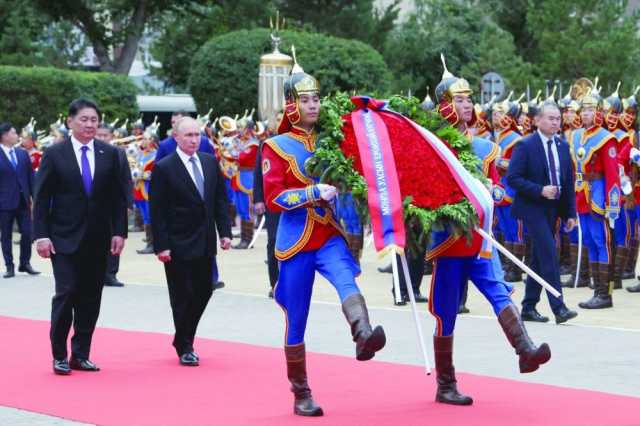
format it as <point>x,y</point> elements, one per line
<point>541,173</point>
<point>16,190</point>
<point>188,201</point>
<point>80,216</point>
<point>271,222</point>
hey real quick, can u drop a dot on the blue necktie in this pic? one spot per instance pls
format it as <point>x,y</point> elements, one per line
<point>86,170</point>
<point>198,176</point>
<point>552,166</point>
<point>12,156</point>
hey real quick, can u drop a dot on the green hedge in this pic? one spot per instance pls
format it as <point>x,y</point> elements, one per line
<point>224,72</point>
<point>44,93</point>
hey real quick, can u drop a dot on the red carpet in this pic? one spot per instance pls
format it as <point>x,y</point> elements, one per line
<point>142,384</point>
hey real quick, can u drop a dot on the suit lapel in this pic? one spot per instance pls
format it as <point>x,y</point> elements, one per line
<point>184,175</point>
<point>100,163</point>
<point>7,161</point>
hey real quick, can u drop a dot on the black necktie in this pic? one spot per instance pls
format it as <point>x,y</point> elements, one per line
<point>552,166</point>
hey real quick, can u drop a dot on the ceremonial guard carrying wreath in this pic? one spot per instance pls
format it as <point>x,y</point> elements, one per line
<point>456,261</point>
<point>309,239</point>
<point>598,193</point>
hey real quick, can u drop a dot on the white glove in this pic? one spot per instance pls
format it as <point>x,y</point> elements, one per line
<point>635,155</point>
<point>327,192</point>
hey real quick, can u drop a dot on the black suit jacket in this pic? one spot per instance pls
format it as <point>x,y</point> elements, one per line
<point>258,188</point>
<point>181,220</point>
<point>529,173</point>
<point>15,183</point>
<point>62,210</point>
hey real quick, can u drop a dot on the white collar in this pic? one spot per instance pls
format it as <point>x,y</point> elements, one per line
<point>543,138</point>
<point>8,149</point>
<point>77,144</point>
<point>185,157</point>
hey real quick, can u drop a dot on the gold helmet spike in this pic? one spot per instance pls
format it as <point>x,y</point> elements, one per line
<point>552,96</point>
<point>236,117</point>
<point>445,74</point>
<point>213,125</point>
<point>521,98</point>
<point>114,123</point>
<point>250,116</point>
<point>537,98</point>
<point>635,92</point>
<point>296,68</point>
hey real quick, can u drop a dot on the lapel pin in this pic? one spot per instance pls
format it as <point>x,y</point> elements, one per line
<point>101,152</point>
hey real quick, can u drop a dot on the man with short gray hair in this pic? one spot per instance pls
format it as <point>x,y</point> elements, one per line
<point>541,173</point>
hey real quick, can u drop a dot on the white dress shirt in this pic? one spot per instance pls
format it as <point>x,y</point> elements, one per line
<point>554,152</point>
<point>91,155</point>
<point>7,151</point>
<point>187,164</point>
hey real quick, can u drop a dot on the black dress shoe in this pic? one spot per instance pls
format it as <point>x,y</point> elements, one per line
<point>533,315</point>
<point>462,309</point>
<point>189,359</point>
<point>112,281</point>
<point>420,298</point>
<point>10,272</point>
<point>218,285</point>
<point>385,269</point>
<point>83,365</point>
<point>28,269</point>
<point>402,302</point>
<point>565,315</point>
<point>61,367</point>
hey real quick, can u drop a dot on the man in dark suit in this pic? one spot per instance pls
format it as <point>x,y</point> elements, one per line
<point>188,201</point>
<point>271,222</point>
<point>80,215</point>
<point>168,146</point>
<point>542,175</point>
<point>105,134</point>
<point>16,190</point>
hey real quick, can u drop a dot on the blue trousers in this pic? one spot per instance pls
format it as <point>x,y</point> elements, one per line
<point>511,228</point>
<point>450,275</point>
<point>596,236</point>
<point>243,203</point>
<point>143,206</point>
<point>295,284</point>
<point>230,195</point>
<point>625,228</point>
<point>544,260</point>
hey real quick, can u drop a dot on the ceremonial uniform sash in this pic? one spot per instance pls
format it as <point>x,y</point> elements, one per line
<point>296,222</point>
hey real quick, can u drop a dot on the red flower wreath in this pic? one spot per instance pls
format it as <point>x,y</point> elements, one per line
<point>422,174</point>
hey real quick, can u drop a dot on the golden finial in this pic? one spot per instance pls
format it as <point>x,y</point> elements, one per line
<point>615,92</point>
<point>521,97</point>
<point>635,92</point>
<point>537,98</point>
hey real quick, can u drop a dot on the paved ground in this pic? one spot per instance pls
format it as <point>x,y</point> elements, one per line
<point>597,351</point>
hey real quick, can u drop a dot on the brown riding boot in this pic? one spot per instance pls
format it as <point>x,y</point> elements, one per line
<point>149,247</point>
<point>566,266</point>
<point>531,357</point>
<point>368,340</point>
<point>632,258</point>
<point>303,404</point>
<point>602,290</point>
<point>447,392</point>
<point>584,279</point>
<point>246,235</point>
<point>355,242</point>
<point>511,271</point>
<point>619,263</point>
<point>232,214</point>
<point>515,275</point>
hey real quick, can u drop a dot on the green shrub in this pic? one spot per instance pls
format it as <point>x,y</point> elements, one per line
<point>43,93</point>
<point>224,72</point>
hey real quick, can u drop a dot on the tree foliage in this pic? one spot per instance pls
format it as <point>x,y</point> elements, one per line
<point>224,72</point>
<point>113,27</point>
<point>43,93</point>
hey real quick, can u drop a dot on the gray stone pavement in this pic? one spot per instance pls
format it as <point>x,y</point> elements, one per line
<point>598,351</point>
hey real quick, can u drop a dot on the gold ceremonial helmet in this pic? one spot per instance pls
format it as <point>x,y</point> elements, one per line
<point>631,103</point>
<point>227,124</point>
<point>299,82</point>
<point>591,96</point>
<point>613,102</point>
<point>451,85</point>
